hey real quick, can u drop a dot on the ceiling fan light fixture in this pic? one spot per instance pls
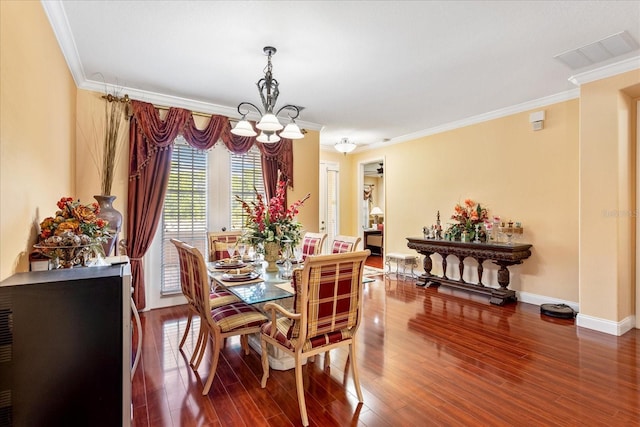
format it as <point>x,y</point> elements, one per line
<point>345,146</point>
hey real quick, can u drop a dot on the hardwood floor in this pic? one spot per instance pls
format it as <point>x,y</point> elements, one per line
<point>430,356</point>
<point>375,261</point>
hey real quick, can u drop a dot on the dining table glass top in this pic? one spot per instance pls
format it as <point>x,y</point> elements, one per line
<point>269,286</point>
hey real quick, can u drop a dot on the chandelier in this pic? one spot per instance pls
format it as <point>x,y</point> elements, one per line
<point>269,123</point>
<point>345,146</point>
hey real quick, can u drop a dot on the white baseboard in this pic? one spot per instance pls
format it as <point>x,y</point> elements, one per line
<point>582,320</point>
<point>607,326</point>
<point>536,299</point>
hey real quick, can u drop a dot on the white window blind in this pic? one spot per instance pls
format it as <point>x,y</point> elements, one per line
<point>246,174</point>
<point>184,215</point>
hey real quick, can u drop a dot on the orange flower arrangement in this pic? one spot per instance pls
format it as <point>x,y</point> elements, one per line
<point>467,216</point>
<point>74,219</point>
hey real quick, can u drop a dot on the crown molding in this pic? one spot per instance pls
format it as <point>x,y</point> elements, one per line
<point>61,29</point>
<point>503,112</point>
<point>58,19</point>
<point>619,67</point>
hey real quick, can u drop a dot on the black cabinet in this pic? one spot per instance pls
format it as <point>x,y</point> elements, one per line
<point>374,241</point>
<point>65,347</point>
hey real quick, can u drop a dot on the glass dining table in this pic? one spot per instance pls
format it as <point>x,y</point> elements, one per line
<point>267,286</point>
<point>257,290</point>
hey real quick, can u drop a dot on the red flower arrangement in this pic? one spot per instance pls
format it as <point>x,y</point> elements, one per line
<point>273,222</point>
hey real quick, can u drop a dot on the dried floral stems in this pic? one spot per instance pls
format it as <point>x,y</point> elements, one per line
<point>114,110</point>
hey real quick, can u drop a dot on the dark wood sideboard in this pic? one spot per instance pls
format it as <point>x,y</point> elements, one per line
<point>503,255</point>
<point>377,249</point>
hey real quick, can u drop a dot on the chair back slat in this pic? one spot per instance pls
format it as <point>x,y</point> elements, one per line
<point>312,244</point>
<point>218,241</point>
<point>342,244</point>
<point>328,295</point>
<point>194,273</point>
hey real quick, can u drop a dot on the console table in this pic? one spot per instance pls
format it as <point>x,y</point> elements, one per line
<point>503,255</point>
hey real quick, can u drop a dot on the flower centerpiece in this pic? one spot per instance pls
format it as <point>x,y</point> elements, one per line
<point>468,216</point>
<point>73,233</point>
<point>272,224</point>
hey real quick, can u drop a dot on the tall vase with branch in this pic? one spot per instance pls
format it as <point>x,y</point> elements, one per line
<point>105,157</point>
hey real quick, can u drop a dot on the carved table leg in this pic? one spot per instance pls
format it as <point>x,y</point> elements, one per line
<point>480,270</point>
<point>502,295</point>
<point>427,264</point>
<point>461,267</point>
<point>444,266</point>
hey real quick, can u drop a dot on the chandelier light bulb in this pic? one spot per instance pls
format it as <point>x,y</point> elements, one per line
<point>243,128</point>
<point>268,137</point>
<point>291,131</point>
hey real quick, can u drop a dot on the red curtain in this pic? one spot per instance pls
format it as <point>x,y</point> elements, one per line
<point>150,150</point>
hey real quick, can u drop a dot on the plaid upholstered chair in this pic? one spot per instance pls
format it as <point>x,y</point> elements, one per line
<point>217,298</point>
<point>220,322</point>
<point>312,244</point>
<point>326,314</point>
<point>343,244</point>
<point>218,242</point>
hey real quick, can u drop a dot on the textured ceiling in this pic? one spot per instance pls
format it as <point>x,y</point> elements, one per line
<point>371,71</point>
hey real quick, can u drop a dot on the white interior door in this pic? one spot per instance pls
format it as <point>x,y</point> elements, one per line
<point>329,192</point>
<point>637,272</point>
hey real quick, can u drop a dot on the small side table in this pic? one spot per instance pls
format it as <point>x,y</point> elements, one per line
<point>404,260</point>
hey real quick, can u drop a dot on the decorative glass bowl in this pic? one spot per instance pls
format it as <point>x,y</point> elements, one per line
<point>65,256</point>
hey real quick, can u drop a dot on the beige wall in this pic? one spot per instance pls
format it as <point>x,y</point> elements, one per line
<point>517,173</point>
<point>306,178</point>
<point>37,129</point>
<point>607,196</point>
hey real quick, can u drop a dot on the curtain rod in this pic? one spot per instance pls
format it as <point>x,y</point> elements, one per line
<point>127,100</point>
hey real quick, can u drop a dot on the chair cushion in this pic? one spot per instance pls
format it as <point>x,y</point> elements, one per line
<point>237,315</point>
<point>340,247</point>
<point>310,246</point>
<point>282,327</point>
<point>221,297</point>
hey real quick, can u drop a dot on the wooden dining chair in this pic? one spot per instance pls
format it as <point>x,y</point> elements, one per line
<point>327,309</point>
<point>218,242</point>
<point>343,244</point>
<point>233,319</point>
<point>312,244</point>
<point>217,298</point>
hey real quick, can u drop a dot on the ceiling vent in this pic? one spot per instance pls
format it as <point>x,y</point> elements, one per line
<point>609,47</point>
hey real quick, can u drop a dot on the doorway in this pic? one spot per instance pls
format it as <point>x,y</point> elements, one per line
<point>372,206</point>
<point>329,197</point>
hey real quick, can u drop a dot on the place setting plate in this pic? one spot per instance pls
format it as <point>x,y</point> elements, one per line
<point>240,277</point>
<point>229,265</point>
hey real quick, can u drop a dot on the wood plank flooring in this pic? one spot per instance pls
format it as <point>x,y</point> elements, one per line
<point>434,356</point>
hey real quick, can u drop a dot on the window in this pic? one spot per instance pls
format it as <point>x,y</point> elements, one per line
<point>246,174</point>
<point>184,215</point>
